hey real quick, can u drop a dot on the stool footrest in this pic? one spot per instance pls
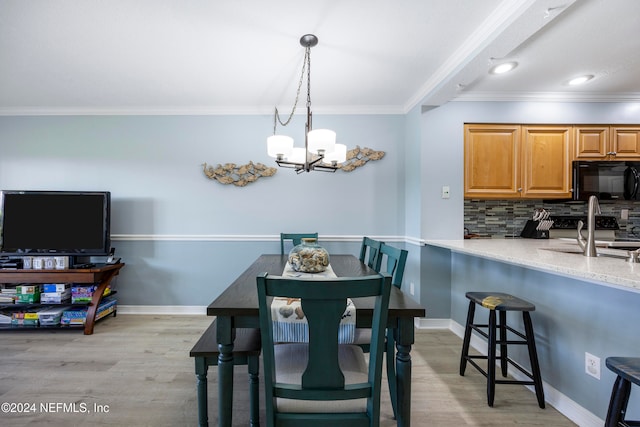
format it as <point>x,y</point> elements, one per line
<point>479,328</point>
<point>470,359</point>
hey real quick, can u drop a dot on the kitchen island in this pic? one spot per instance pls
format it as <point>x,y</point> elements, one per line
<point>583,305</point>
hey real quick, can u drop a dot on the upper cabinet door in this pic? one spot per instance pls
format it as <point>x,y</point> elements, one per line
<point>546,161</point>
<point>625,142</point>
<point>592,142</point>
<point>491,161</point>
<point>607,142</point>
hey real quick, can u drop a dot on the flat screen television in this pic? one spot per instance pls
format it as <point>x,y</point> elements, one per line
<point>69,223</point>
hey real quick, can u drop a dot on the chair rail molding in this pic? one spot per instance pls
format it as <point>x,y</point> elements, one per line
<point>257,238</point>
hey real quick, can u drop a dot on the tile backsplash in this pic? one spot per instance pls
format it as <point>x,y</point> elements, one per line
<point>508,217</point>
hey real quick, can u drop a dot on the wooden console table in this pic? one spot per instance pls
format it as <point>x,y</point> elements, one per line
<point>100,275</point>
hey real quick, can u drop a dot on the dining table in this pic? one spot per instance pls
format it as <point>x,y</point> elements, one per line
<point>237,307</point>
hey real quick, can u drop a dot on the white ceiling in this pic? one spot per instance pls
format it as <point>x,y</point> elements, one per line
<point>244,56</point>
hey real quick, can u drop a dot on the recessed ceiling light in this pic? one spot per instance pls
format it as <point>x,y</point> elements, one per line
<point>580,80</point>
<point>504,67</point>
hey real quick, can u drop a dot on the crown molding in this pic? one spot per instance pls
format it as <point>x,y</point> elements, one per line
<point>548,97</point>
<point>194,111</point>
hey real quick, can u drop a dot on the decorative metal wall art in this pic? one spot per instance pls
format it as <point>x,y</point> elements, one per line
<point>359,157</point>
<point>239,176</point>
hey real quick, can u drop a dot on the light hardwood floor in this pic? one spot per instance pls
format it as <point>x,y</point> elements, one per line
<point>135,370</point>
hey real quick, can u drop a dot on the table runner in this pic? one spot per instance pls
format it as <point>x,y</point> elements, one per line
<point>289,322</point>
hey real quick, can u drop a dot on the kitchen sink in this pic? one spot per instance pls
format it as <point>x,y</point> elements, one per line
<point>630,245</point>
<point>607,252</point>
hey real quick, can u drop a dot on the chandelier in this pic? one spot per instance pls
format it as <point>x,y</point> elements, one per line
<point>320,150</point>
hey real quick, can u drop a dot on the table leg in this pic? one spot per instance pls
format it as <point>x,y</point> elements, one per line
<point>201,375</point>
<point>225,371</point>
<point>404,340</point>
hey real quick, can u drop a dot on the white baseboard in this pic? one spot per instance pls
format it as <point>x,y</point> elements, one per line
<point>163,309</point>
<point>423,323</point>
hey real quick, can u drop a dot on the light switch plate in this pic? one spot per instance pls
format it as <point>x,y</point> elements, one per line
<point>445,191</point>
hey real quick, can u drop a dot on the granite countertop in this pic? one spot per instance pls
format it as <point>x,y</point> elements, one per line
<point>545,255</point>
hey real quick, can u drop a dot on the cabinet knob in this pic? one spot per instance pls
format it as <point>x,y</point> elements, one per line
<point>520,189</point>
<point>612,153</point>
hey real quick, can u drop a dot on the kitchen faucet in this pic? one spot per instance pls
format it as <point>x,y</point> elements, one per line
<point>589,247</point>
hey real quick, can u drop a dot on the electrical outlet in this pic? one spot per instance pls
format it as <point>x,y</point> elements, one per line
<point>411,288</point>
<point>592,365</point>
<point>624,218</point>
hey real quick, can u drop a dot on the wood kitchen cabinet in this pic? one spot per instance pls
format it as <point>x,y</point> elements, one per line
<point>625,142</point>
<point>602,142</point>
<point>491,161</point>
<point>515,161</point>
<point>546,162</point>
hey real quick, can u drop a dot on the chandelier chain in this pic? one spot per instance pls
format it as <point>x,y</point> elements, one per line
<point>305,65</point>
<point>308,61</point>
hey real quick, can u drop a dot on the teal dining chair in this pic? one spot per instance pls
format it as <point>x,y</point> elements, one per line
<point>296,239</point>
<point>392,261</point>
<point>321,382</point>
<point>372,258</point>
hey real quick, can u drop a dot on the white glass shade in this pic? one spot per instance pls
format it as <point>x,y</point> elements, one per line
<point>338,155</point>
<point>297,155</point>
<point>279,145</point>
<point>321,139</point>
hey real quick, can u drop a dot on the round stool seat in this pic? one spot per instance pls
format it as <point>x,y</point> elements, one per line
<point>500,301</point>
<point>625,367</point>
<point>627,370</point>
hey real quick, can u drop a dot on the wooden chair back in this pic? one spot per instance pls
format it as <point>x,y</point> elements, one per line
<point>393,261</point>
<point>323,302</point>
<point>372,259</point>
<point>296,239</point>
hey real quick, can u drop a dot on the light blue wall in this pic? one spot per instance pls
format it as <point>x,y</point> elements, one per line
<point>185,237</point>
<point>152,166</point>
<point>413,173</point>
<point>191,273</point>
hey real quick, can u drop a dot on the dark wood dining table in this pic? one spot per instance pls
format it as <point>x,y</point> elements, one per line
<point>237,307</point>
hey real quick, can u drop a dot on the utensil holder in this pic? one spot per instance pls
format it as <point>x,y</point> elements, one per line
<point>529,231</point>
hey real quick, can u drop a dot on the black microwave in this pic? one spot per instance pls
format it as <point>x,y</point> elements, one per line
<point>613,180</point>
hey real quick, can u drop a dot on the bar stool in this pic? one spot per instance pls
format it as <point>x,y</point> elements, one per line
<point>496,301</point>
<point>628,371</point>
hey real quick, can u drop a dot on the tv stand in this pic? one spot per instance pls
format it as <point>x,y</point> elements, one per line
<point>100,275</point>
<point>83,266</point>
